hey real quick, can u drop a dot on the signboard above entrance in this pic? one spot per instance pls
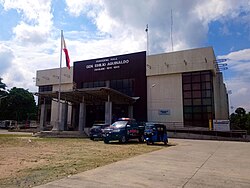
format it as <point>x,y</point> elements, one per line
<point>115,67</point>
<point>107,64</point>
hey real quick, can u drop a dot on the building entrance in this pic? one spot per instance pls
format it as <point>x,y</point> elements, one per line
<point>95,114</point>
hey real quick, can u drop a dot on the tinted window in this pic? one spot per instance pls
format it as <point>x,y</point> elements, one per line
<point>119,124</point>
<point>198,105</point>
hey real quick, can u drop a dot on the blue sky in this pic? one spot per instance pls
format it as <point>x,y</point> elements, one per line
<point>30,34</point>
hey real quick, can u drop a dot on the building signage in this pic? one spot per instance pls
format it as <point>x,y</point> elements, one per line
<point>221,125</point>
<point>127,66</point>
<point>164,112</point>
<point>107,64</point>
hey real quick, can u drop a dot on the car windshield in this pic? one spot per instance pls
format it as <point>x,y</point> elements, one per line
<point>96,127</point>
<point>119,124</point>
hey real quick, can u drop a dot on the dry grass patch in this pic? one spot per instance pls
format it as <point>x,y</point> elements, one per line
<point>27,161</point>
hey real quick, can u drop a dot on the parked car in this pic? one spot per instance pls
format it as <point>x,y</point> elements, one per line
<point>96,131</point>
<point>155,132</point>
<point>123,130</point>
<point>7,124</point>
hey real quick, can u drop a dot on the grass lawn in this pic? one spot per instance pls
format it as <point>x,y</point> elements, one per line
<point>28,161</point>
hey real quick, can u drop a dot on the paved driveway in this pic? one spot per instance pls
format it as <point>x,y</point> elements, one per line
<point>191,163</point>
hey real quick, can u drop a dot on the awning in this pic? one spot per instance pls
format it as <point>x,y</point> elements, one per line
<point>91,95</point>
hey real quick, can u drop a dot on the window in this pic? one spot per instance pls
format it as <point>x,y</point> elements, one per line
<point>197,98</point>
<point>93,84</point>
<point>196,94</point>
<point>196,78</point>
<point>196,86</point>
<point>196,101</point>
<point>45,88</point>
<point>187,94</point>
<point>187,87</point>
<point>125,86</point>
<point>197,109</point>
<point>188,109</point>
<point>206,94</point>
<point>187,102</point>
<point>186,78</point>
<point>207,101</point>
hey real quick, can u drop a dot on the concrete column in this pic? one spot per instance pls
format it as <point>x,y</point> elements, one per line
<point>73,117</point>
<point>108,111</point>
<point>64,117</point>
<point>42,117</point>
<point>57,126</point>
<point>69,115</point>
<point>130,111</point>
<point>82,116</point>
<point>108,83</point>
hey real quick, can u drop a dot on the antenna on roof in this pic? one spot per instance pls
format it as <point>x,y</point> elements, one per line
<point>171,33</point>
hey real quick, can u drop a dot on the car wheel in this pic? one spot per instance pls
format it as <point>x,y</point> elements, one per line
<point>165,142</point>
<point>91,138</point>
<point>123,139</point>
<point>106,141</point>
<point>141,138</point>
<point>148,143</point>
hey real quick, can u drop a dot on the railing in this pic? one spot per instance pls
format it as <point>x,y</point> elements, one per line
<point>178,127</point>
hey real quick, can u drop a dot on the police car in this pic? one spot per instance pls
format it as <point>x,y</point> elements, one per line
<point>123,130</point>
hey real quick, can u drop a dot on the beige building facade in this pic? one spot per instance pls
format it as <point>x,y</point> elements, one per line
<point>184,88</point>
<point>173,99</point>
<point>48,81</point>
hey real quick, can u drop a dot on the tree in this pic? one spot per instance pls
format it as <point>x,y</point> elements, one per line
<point>2,85</point>
<point>18,105</point>
<point>3,93</point>
<point>2,89</point>
<point>240,111</point>
<point>240,120</point>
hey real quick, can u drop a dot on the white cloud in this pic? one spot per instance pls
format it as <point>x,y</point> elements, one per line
<point>238,80</point>
<point>36,23</point>
<point>212,10</point>
<point>6,57</point>
<point>191,19</point>
<point>240,94</point>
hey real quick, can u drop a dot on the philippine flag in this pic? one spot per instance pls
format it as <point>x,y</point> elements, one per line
<point>66,52</point>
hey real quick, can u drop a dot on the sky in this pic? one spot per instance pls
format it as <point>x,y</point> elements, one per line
<point>30,35</point>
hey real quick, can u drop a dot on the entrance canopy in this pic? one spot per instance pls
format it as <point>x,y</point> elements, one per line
<point>90,95</point>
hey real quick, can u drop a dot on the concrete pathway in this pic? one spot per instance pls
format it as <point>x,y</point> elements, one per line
<point>191,163</point>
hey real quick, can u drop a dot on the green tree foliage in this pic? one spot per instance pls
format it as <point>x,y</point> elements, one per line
<point>240,119</point>
<point>18,105</point>
<point>2,85</point>
<point>240,111</point>
<point>2,89</point>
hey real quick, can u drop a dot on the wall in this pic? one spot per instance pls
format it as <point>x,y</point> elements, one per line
<point>164,80</point>
<point>54,104</point>
<point>165,92</point>
<point>181,61</point>
<point>220,98</point>
<point>51,76</point>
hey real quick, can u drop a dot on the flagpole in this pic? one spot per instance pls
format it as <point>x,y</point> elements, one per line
<point>147,38</point>
<point>59,89</point>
